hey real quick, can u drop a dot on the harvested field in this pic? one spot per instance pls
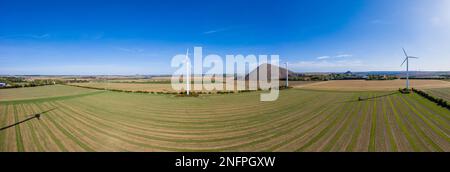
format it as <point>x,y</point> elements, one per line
<point>128,86</point>
<point>159,87</point>
<point>363,85</point>
<point>300,120</point>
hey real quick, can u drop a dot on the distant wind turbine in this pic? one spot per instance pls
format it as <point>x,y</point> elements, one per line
<point>407,66</point>
<point>188,75</point>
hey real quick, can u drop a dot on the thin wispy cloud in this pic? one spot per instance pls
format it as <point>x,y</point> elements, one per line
<point>217,30</point>
<point>33,36</point>
<point>331,57</point>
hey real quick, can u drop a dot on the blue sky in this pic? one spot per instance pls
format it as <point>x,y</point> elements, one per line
<point>141,37</point>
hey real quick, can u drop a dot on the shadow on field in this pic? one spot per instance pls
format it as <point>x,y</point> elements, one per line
<point>370,98</point>
<point>37,115</point>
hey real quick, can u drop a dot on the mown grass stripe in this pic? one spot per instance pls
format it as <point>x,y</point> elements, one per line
<point>410,123</point>
<point>328,127</point>
<point>372,145</point>
<point>393,144</point>
<point>235,125</point>
<point>316,115</point>
<point>402,126</point>
<point>74,128</point>
<point>358,129</point>
<point>248,117</point>
<point>114,135</point>
<point>332,142</point>
<point>3,122</point>
<point>55,139</point>
<point>66,133</point>
<point>254,134</point>
<point>82,131</point>
<point>19,142</point>
<point>317,112</point>
<point>283,131</point>
<point>30,125</point>
<point>432,114</point>
<point>417,128</point>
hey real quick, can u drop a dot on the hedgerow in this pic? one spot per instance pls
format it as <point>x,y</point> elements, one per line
<point>438,101</point>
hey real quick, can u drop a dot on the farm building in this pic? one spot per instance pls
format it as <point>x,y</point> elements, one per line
<point>2,84</point>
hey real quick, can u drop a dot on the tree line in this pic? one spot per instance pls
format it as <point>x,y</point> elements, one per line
<point>16,82</point>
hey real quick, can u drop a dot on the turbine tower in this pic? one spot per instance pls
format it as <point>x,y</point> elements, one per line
<point>287,75</point>
<point>188,74</point>
<point>407,67</point>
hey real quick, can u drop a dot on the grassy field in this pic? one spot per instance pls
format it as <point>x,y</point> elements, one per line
<point>300,120</point>
<point>41,92</point>
<point>443,93</point>
<point>363,85</point>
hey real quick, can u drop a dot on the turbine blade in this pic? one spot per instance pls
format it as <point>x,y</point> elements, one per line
<point>405,52</point>
<point>413,57</point>
<point>404,61</point>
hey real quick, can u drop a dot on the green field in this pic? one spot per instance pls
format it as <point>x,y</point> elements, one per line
<point>299,120</point>
<point>443,93</point>
<point>41,92</point>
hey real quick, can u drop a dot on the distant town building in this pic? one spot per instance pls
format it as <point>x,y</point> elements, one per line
<point>2,84</point>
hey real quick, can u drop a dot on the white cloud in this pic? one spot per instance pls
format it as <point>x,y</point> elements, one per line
<point>343,55</point>
<point>323,57</point>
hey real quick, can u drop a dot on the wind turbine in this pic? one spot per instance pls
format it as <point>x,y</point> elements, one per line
<point>188,75</point>
<point>407,67</point>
